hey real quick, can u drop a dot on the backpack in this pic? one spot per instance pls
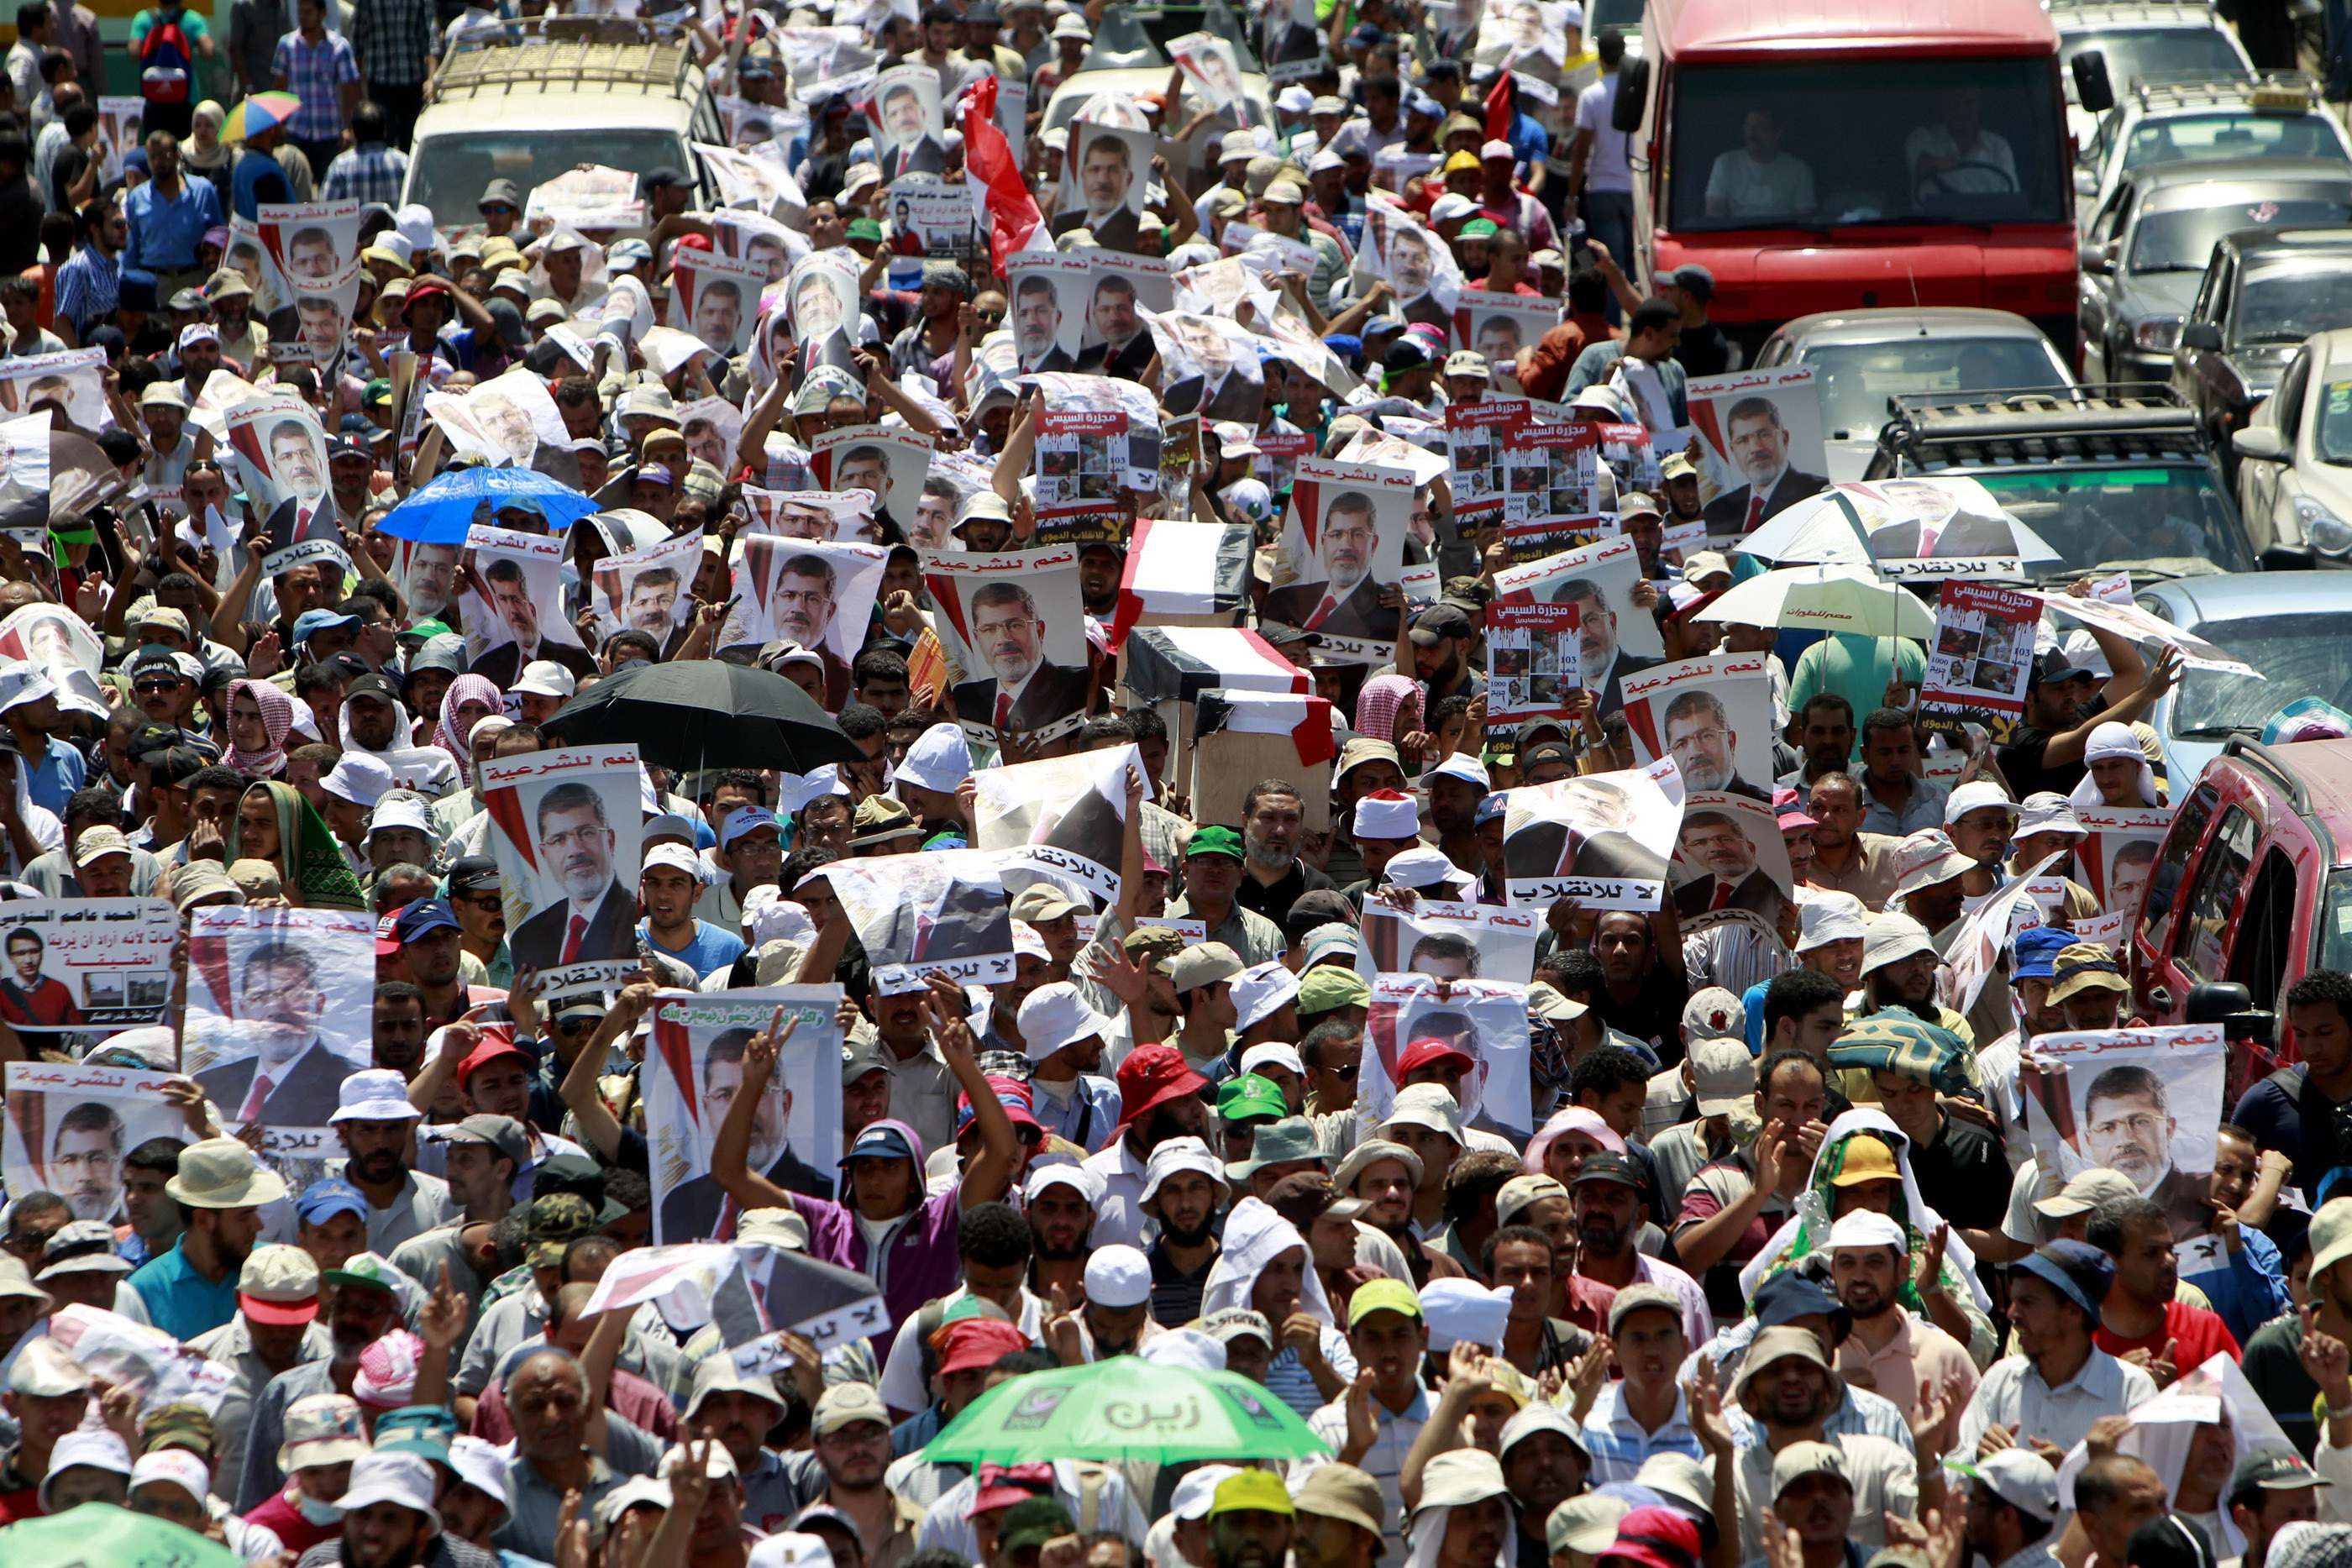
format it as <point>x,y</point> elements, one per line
<point>166,60</point>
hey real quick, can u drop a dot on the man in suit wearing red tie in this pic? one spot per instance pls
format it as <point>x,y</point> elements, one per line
<point>1027,692</point>
<point>1713,842</point>
<point>1347,603</point>
<point>575,846</point>
<point>1756,439</point>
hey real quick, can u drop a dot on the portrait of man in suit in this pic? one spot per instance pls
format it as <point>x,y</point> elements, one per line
<point>651,603</point>
<point>1712,843</point>
<point>294,1077</point>
<point>297,460</point>
<point>961,920</point>
<point>907,127</point>
<point>1026,691</point>
<point>1604,660</point>
<point>803,610</point>
<point>511,601</point>
<point>2128,1127</point>
<point>1036,324</point>
<point>1125,348</point>
<point>1107,179</point>
<point>1757,442</point>
<point>1584,835</point>
<point>866,468</point>
<point>1216,393</point>
<point>719,312</point>
<point>86,1161</point>
<point>1347,602</point>
<point>1412,269</point>
<point>816,308</point>
<point>576,846</point>
<point>698,1208</point>
<point>1699,738</point>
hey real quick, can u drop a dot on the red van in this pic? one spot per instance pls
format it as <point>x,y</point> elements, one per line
<point>1825,155</point>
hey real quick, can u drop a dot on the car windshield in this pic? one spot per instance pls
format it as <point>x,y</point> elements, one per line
<point>2299,654</point>
<point>2135,54</point>
<point>450,170</point>
<point>2287,302</point>
<point>1625,16</point>
<point>2231,134</point>
<point>1856,379</point>
<point>1824,145</point>
<point>2182,241</point>
<point>2166,518</point>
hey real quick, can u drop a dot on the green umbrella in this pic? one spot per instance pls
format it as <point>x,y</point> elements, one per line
<point>98,1533</point>
<point>1124,1408</point>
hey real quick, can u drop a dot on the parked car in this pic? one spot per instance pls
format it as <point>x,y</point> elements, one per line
<point>2144,40</point>
<point>2218,119</point>
<point>2263,292</point>
<point>2294,458</point>
<point>2296,627</point>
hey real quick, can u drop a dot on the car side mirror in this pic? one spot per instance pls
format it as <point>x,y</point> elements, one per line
<point>2086,181</point>
<point>2202,335</point>
<point>1633,95</point>
<point>2092,258</point>
<point>2262,443</point>
<point>2230,1005</point>
<point>2091,88</point>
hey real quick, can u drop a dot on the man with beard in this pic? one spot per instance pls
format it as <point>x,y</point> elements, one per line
<point>1785,1383</point>
<point>1347,601</point>
<point>1105,178</point>
<point>739,1411</point>
<point>511,598</point>
<point>651,603</point>
<point>1100,566</point>
<point>2128,1127</point>
<point>1757,445</point>
<point>1603,659</point>
<point>1160,1098</point>
<point>1700,739</point>
<point>1025,690</point>
<point>1890,1350</point>
<point>1273,819</point>
<point>1060,1205</point>
<point>1251,1521</point>
<point>906,128</point>
<point>1122,347</point>
<point>1605,1195</point>
<point>86,1160</point>
<point>1063,1036</point>
<point>803,609</point>
<point>292,1075</point>
<point>592,921</point>
<point>1898,970</point>
<point>295,463</point>
<point>698,1206</point>
<point>374,1122</point>
<point>1387,1176</point>
<point>365,1306</point>
<point>1184,1190</point>
<point>276,1330</point>
<point>844,1467</point>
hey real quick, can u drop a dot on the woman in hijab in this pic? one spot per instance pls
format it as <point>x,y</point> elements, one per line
<point>260,717</point>
<point>273,823</point>
<point>203,155</point>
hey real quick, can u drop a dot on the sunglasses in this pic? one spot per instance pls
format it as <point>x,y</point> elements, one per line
<point>1347,1074</point>
<point>488,903</point>
<point>155,688</point>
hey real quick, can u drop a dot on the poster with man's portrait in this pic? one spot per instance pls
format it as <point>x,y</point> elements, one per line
<point>1475,437</point>
<point>694,1070</point>
<point>1450,941</point>
<point>512,605</point>
<point>822,296</point>
<point>1415,262</point>
<point>715,297</point>
<point>1016,628</point>
<point>68,1127</point>
<point>281,454</point>
<point>120,126</point>
<point>1342,542</point>
<point>1486,1020</point>
<point>650,589</point>
<point>1112,338</point>
<point>1048,300</point>
<point>934,219</point>
<point>426,574</point>
<point>1063,817</point>
<point>506,421</point>
<point>244,258</point>
<point>72,382</point>
<point>280,1003</point>
<point>25,479</point>
<point>100,964</point>
<point>2116,861</point>
<point>1526,35</point>
<point>1729,855</point>
<point>1105,175</point>
<point>713,429</point>
<point>760,240</point>
<point>817,595</point>
<point>910,127</point>
<point>1760,448</point>
<point>305,245</point>
<point>1213,66</point>
<point>1980,659</point>
<point>1499,324</point>
<point>1616,638</point>
<point>314,326</point>
<point>846,516</point>
<point>2146,1103</point>
<point>566,829</point>
<point>1209,366</point>
<point>1603,839</point>
<point>1551,471</point>
<point>886,462</point>
<point>941,912</point>
<point>63,647</point>
<point>1712,715</point>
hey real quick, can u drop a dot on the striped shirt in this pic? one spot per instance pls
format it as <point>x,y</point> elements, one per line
<point>1393,1432</point>
<point>314,73</point>
<point>87,287</point>
<point>395,38</point>
<point>1287,1379</point>
<point>1618,1443</point>
<point>368,172</point>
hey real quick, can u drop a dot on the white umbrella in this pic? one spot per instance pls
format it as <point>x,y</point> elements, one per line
<point>1902,525</point>
<point>1824,598</point>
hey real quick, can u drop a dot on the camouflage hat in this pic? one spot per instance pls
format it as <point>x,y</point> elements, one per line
<point>554,1223</point>
<point>181,1425</point>
<point>1901,1042</point>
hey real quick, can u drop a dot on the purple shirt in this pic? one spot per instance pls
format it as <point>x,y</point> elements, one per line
<point>919,1264</point>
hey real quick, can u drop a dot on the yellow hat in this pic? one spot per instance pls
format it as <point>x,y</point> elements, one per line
<point>1866,1159</point>
<point>1383,1295</point>
<point>1252,1492</point>
<point>1465,158</point>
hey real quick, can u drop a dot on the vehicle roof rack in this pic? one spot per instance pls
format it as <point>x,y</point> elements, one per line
<point>2275,92</point>
<point>2114,11</point>
<point>2254,751</point>
<point>571,52</point>
<point>2105,424</point>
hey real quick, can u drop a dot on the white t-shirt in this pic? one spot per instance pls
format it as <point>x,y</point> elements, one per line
<point>1740,187</point>
<point>1990,150</point>
<point>1605,167</point>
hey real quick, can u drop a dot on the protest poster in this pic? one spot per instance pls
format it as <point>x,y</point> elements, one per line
<point>937,217</point>
<point>1936,528</point>
<point>1278,452</point>
<point>713,429</point>
<point>1396,166</point>
<point>1760,449</point>
<point>1343,543</point>
<point>911,129</point>
<point>1180,456</point>
<point>2128,620</point>
<point>1065,817</point>
<point>2117,859</point>
<point>101,964</point>
<point>1104,177</point>
<point>818,53</point>
<point>1528,36</point>
<point>66,648</point>
<point>1095,437</point>
<point>1048,308</point>
<point>566,829</point>
<point>72,382</point>
<point>314,324</point>
<point>817,593</point>
<point>841,514</point>
<point>1615,638</point>
<point>2145,1103</point>
<point>716,298</point>
<point>1413,262</point>
<point>1542,538</point>
<point>281,455</point>
<point>756,181</point>
<point>758,239</point>
<point>25,480</point>
<point>1016,629</point>
<point>1550,471</point>
<point>888,463</point>
<point>1209,366</point>
<point>1474,433</point>
<point>514,590</point>
<point>1975,951</point>
<point>1293,42</point>
<point>1603,839</point>
<point>941,911</point>
<point>1449,941</point>
<point>1712,715</point>
<point>1499,326</point>
<point>1534,662</point>
<point>1486,1020</point>
<point>694,1070</point>
<point>1418,457</point>
<point>121,122</point>
<point>591,196</point>
<point>296,536</point>
<point>1112,339</point>
<point>1980,661</point>
<point>1211,64</point>
<point>1729,855</point>
<point>1182,573</point>
<point>68,1127</point>
<point>649,589</point>
<point>426,575</point>
<point>1240,735</point>
<point>825,292</point>
<point>280,1004</point>
<point>244,258</point>
<point>304,246</point>
<point>507,420</point>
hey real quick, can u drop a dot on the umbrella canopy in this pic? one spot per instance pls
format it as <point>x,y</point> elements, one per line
<point>99,1532</point>
<point>1899,524</point>
<point>1824,598</point>
<point>705,713</point>
<point>1124,1408</point>
<point>441,512</point>
<point>260,113</point>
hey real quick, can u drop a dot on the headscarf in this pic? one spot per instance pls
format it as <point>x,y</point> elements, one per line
<point>310,862</point>
<point>1574,1119</point>
<point>277,724</point>
<point>2110,740</point>
<point>2164,1427</point>
<point>1255,1236</point>
<point>1381,700</point>
<point>204,148</point>
<point>468,688</point>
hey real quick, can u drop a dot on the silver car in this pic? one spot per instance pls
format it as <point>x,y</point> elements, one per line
<point>2294,457</point>
<point>2296,627</point>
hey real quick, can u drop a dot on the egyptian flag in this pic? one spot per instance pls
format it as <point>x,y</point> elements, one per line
<point>1177,663</point>
<point>1502,108</point>
<point>1306,720</point>
<point>999,194</point>
<point>1181,569</point>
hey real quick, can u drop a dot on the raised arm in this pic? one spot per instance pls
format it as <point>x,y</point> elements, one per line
<point>729,1150</point>
<point>985,1177</point>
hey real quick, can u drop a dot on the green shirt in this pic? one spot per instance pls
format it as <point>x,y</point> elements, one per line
<point>1856,668</point>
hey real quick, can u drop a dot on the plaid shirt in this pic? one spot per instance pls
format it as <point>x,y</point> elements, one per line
<point>87,285</point>
<point>313,73</point>
<point>395,39</point>
<point>368,172</point>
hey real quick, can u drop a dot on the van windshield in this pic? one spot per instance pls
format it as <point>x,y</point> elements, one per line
<point>450,170</point>
<point>1838,144</point>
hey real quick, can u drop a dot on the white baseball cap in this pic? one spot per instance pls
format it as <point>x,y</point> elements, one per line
<point>675,857</point>
<point>373,1094</point>
<point>545,678</point>
<point>403,1480</point>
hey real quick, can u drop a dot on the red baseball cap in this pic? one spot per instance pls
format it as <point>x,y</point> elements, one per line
<point>492,1047</point>
<point>1423,1053</point>
<point>1653,1537</point>
<point>386,944</point>
<point>972,1344</point>
<point>1152,1076</point>
<point>1001,1485</point>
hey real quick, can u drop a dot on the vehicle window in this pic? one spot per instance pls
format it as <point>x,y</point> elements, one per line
<point>2174,513</point>
<point>2220,876</point>
<point>1856,379</point>
<point>2291,387</point>
<point>1863,142</point>
<point>2298,655</point>
<point>2258,955</point>
<point>2136,54</point>
<point>2182,240</point>
<point>2232,133</point>
<point>2287,303</point>
<point>2332,436</point>
<point>2180,843</point>
<point>2336,922</point>
<point>450,171</point>
<point>1625,16</point>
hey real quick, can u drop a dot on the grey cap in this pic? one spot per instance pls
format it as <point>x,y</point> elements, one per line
<point>500,193</point>
<point>860,1059</point>
<point>503,1133</point>
<point>445,652</point>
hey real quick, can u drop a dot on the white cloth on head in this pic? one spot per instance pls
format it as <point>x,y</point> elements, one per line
<point>1255,1236</point>
<point>2110,740</point>
<point>2164,1428</point>
<point>1462,1312</point>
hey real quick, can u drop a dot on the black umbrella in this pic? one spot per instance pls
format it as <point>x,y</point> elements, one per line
<point>704,712</point>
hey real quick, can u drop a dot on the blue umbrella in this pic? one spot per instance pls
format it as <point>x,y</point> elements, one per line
<point>441,512</point>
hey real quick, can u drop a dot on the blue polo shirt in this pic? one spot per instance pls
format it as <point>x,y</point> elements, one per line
<point>180,1302</point>
<point>57,775</point>
<point>711,949</point>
